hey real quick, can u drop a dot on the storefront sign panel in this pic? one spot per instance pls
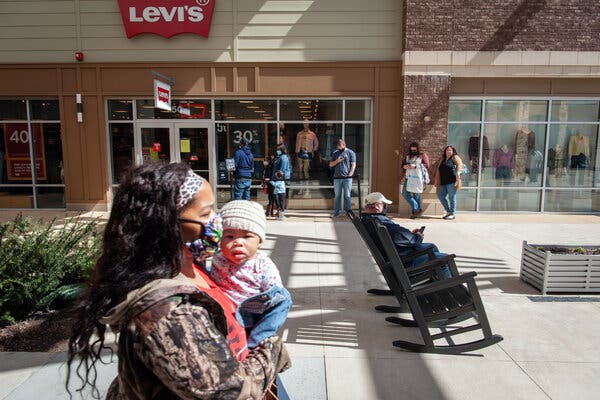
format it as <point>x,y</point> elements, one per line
<point>162,95</point>
<point>166,18</point>
<point>16,144</point>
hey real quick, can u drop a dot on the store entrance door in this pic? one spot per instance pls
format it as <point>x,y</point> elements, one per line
<point>189,142</point>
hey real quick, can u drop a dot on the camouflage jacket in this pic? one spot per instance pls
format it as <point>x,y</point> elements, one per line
<point>172,345</point>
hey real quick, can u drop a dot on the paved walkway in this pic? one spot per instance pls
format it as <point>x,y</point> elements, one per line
<point>341,348</point>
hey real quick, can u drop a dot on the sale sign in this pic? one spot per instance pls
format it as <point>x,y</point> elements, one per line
<point>16,143</point>
<point>166,18</point>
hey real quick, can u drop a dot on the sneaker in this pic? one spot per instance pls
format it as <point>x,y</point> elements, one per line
<point>413,215</point>
<point>334,215</point>
<point>450,216</point>
<point>281,217</point>
<point>418,213</point>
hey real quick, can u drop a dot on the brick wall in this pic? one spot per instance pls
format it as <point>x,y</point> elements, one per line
<point>511,25</point>
<point>425,96</point>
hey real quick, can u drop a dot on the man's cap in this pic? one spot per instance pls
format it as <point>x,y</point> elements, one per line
<point>377,197</point>
<point>245,215</point>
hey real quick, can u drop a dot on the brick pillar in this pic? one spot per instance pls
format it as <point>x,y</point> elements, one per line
<point>425,121</point>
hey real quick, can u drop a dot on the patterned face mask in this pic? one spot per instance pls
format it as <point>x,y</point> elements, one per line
<point>208,242</point>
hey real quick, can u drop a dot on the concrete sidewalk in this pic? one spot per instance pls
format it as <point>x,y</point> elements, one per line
<point>342,349</point>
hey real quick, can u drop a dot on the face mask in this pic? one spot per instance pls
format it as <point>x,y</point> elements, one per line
<point>278,152</point>
<point>208,242</point>
<point>414,153</point>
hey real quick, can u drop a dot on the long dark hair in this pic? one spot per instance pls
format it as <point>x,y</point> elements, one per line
<point>141,243</point>
<point>454,152</point>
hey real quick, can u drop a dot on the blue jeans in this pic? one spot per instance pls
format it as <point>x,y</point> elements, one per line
<point>241,188</point>
<point>448,190</point>
<point>413,199</point>
<point>425,257</point>
<point>342,186</point>
<point>262,315</point>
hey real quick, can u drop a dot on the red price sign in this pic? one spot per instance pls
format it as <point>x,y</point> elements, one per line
<point>16,143</point>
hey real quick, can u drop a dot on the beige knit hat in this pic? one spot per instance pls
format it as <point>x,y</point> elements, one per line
<point>246,215</point>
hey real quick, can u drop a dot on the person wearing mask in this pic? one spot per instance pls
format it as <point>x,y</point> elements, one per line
<point>178,333</point>
<point>244,166</point>
<point>343,162</point>
<point>447,180</point>
<point>412,165</point>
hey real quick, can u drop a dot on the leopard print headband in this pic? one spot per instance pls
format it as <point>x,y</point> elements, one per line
<point>188,189</point>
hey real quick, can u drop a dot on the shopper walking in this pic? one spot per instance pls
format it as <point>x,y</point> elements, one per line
<point>244,166</point>
<point>343,162</point>
<point>447,180</point>
<point>416,176</point>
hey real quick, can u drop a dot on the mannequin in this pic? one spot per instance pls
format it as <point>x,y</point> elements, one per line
<point>474,152</point>
<point>579,153</point>
<point>504,162</point>
<point>556,160</point>
<point>306,145</point>
<point>524,144</point>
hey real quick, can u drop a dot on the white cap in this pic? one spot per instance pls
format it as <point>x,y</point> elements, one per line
<point>245,215</point>
<point>377,197</point>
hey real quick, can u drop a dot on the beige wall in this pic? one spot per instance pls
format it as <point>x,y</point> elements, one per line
<point>242,30</point>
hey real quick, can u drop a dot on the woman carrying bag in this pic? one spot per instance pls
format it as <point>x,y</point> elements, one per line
<point>447,180</point>
<point>415,165</point>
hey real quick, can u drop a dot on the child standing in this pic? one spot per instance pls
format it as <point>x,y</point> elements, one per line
<point>279,193</point>
<point>247,276</point>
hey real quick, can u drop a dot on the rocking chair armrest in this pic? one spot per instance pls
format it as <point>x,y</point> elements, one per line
<point>409,257</point>
<point>429,265</point>
<point>443,284</point>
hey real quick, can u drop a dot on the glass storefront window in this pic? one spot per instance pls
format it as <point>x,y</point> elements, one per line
<point>358,110</point>
<point>466,140</point>
<point>466,199</point>
<point>18,140</point>
<point>572,155</point>
<point>358,138</point>
<point>180,109</point>
<point>120,110</point>
<point>464,110</point>
<point>51,157</point>
<point>516,155</point>
<point>510,154</point>
<point>13,110</point>
<point>509,200</point>
<point>245,109</point>
<point>516,110</point>
<point>44,109</point>
<point>263,141</point>
<point>310,110</point>
<point>309,147</point>
<point>122,150</point>
<point>572,201</point>
<point>575,110</point>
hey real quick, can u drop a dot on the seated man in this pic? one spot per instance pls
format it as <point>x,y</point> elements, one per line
<point>406,242</point>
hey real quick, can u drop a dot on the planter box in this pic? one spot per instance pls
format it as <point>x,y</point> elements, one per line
<point>560,272</point>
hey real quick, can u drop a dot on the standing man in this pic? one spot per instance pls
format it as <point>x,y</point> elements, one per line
<point>343,162</point>
<point>244,165</point>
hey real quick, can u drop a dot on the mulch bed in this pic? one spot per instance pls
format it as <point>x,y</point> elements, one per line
<point>43,332</point>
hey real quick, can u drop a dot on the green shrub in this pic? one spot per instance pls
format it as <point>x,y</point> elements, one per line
<point>43,261</point>
<point>579,250</point>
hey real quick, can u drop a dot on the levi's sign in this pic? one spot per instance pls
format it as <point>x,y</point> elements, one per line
<point>166,18</point>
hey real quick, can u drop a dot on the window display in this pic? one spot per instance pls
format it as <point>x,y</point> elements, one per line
<point>27,141</point>
<point>507,150</point>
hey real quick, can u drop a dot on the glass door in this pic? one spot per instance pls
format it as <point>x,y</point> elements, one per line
<point>194,147</point>
<point>190,142</point>
<point>154,142</point>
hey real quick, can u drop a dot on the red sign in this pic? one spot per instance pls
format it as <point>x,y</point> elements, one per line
<point>163,94</point>
<point>166,18</point>
<point>17,155</point>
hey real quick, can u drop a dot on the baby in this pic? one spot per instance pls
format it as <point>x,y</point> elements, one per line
<point>248,276</point>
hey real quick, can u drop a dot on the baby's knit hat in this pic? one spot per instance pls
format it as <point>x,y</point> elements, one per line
<point>246,215</point>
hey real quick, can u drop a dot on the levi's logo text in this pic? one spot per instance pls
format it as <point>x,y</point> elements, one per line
<point>166,18</point>
<point>163,94</point>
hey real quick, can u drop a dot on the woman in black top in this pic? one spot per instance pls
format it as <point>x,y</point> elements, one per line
<point>447,180</point>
